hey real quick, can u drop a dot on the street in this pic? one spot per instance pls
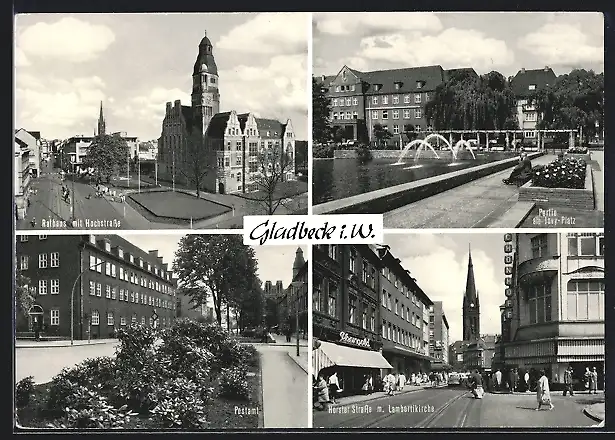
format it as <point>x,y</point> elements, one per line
<point>455,408</point>
<point>285,388</point>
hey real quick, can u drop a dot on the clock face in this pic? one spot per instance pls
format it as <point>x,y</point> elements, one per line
<point>471,304</point>
<point>208,99</point>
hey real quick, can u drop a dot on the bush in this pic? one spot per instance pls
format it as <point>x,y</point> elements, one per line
<point>101,370</point>
<point>138,388</point>
<point>64,385</point>
<point>231,354</point>
<point>180,406</point>
<point>565,173</point>
<point>323,151</point>
<point>23,391</point>
<point>249,355</point>
<point>233,383</point>
<point>181,357</point>
<point>364,154</point>
<point>136,343</point>
<point>209,336</point>
<point>88,409</point>
<point>578,150</point>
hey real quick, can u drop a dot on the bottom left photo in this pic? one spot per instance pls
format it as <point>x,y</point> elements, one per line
<point>160,332</point>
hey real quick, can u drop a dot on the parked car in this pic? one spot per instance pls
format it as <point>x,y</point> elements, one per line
<point>454,379</point>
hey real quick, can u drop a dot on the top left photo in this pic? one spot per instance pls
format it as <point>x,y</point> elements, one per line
<point>159,121</point>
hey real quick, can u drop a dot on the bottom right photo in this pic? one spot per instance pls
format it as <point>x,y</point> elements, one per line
<point>460,330</point>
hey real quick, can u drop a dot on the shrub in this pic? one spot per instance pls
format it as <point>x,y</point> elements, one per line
<point>209,336</point>
<point>23,391</point>
<point>364,154</point>
<point>323,151</point>
<point>101,370</point>
<point>578,150</point>
<point>136,343</point>
<point>249,355</point>
<point>231,354</point>
<point>233,383</point>
<point>138,388</point>
<point>181,357</point>
<point>180,406</point>
<point>64,385</point>
<point>88,409</point>
<point>565,173</point>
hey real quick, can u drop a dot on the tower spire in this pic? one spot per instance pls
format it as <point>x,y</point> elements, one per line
<point>101,121</point>
<point>471,306</point>
<point>470,293</point>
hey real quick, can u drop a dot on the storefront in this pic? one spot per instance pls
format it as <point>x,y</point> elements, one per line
<point>354,359</point>
<point>407,361</point>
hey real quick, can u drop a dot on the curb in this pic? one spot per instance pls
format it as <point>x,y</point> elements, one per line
<point>261,413</point>
<point>43,345</point>
<point>295,361</point>
<point>592,416</point>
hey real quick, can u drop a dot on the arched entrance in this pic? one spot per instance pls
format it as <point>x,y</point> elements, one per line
<point>220,188</point>
<point>35,317</point>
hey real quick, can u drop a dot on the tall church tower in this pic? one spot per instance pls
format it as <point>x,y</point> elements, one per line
<point>205,93</point>
<point>101,122</point>
<point>471,306</point>
<point>298,263</point>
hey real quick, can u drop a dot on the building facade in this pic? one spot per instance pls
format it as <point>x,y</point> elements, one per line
<point>524,84</point>
<point>395,99</point>
<point>558,304</point>
<point>221,152</point>
<point>346,314</point>
<point>438,335</point>
<point>295,300</point>
<point>21,173</point>
<point>33,140</point>
<point>479,353</point>
<point>112,284</point>
<point>402,310</point>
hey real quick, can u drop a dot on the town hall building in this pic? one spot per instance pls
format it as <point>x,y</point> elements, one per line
<point>222,152</point>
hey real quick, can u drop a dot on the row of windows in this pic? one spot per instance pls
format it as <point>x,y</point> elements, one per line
<point>585,301</point>
<point>25,238</point>
<point>44,261</point>
<point>353,317</point>
<point>399,309</point>
<point>400,336</point>
<point>111,292</point>
<point>417,128</point>
<point>95,319</point>
<point>96,265</point>
<point>418,114</point>
<point>395,99</point>
<point>585,244</point>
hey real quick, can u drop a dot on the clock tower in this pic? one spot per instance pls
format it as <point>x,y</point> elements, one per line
<point>205,93</point>
<point>471,306</point>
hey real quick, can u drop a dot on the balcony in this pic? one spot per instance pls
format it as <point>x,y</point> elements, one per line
<point>536,269</point>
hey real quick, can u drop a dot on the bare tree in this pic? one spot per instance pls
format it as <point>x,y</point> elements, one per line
<point>197,160</point>
<point>272,166</point>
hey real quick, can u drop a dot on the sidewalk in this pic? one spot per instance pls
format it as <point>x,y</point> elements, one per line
<point>301,360</point>
<point>360,398</point>
<point>595,412</point>
<point>27,343</point>
<point>281,340</point>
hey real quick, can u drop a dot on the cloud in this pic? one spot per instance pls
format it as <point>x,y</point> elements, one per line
<point>563,44</point>
<point>441,273</point>
<point>322,66</point>
<point>151,106</point>
<point>287,79</point>
<point>53,105</point>
<point>269,33</point>
<point>451,48</point>
<point>21,60</point>
<point>380,23</point>
<point>68,39</point>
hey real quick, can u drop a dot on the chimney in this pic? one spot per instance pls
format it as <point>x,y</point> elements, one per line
<point>547,68</point>
<point>168,107</point>
<point>178,103</point>
<point>159,260</point>
<point>153,253</point>
<point>165,267</point>
<point>523,70</point>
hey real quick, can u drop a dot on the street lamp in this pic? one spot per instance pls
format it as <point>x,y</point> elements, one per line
<point>297,285</point>
<point>72,301</point>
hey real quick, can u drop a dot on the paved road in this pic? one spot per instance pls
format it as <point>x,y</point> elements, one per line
<point>285,389</point>
<point>45,362</point>
<point>453,408</point>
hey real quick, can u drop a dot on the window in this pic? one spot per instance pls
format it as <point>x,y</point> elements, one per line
<point>385,99</point>
<point>348,102</point>
<point>417,113</point>
<point>585,244</point>
<point>389,331</point>
<point>108,291</point>
<point>23,238</point>
<point>419,84</point>
<point>337,89</point>
<point>374,114</point>
<point>142,320</point>
<point>532,87</point>
<point>355,115</point>
<point>110,320</point>
<point>113,292</point>
<point>107,246</point>
<point>134,319</point>
<point>385,114</point>
<point>92,288</point>
<point>531,116</point>
<point>355,101</point>
<point>92,262</point>
<point>55,259</point>
<point>123,320</point>
<point>529,134</point>
<point>352,309</point>
<point>384,329</point>
<point>417,98</point>
<point>352,260</point>
<point>585,300</point>
<point>108,269</point>
<point>539,246</point>
<point>341,102</point>
<point>394,334</point>
<point>539,301</point>
<point>384,298</point>
<point>55,287</point>
<point>42,237</point>
<point>23,262</point>
<point>389,301</point>
<point>42,287</point>
<point>332,305</point>
<point>98,289</point>
<point>348,115</point>
<point>55,316</point>
<point>95,318</point>
<point>396,99</point>
<point>42,261</point>
<point>364,318</point>
<point>374,100</point>
<point>121,273</point>
<point>372,320</point>
<point>406,113</point>
<point>396,307</point>
<point>406,99</point>
<point>99,263</point>
<point>395,114</point>
<point>352,88</point>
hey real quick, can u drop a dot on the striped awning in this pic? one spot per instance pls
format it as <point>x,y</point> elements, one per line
<point>330,355</point>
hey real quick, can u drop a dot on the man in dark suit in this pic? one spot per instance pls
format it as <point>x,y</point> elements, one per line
<point>522,171</point>
<point>568,381</point>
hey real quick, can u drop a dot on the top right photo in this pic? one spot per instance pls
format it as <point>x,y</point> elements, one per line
<point>460,120</point>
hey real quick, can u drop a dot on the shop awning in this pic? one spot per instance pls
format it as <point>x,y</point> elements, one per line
<point>330,355</point>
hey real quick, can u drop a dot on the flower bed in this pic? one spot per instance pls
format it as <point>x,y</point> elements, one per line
<point>581,153</point>
<point>191,376</point>
<point>562,183</point>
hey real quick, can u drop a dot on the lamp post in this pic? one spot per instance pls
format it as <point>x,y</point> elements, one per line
<point>72,301</point>
<point>296,286</point>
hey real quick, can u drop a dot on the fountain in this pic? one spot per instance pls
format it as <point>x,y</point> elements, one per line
<point>459,145</point>
<point>422,144</point>
<point>439,136</point>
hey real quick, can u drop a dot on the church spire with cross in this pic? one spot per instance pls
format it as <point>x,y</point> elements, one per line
<point>101,121</point>
<point>471,305</point>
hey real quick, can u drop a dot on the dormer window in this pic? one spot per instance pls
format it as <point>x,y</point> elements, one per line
<point>92,239</point>
<point>344,78</point>
<point>120,252</point>
<point>377,87</point>
<point>268,133</point>
<point>132,258</point>
<point>398,85</point>
<point>141,262</point>
<point>149,267</point>
<point>107,246</point>
<point>532,87</point>
<point>420,84</point>
<point>337,88</point>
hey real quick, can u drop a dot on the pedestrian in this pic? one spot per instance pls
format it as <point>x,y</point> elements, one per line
<point>413,379</point>
<point>33,222</point>
<point>526,380</point>
<point>568,385</point>
<point>334,387</point>
<point>498,380</point>
<point>476,385</point>
<point>322,391</point>
<point>586,377</point>
<point>543,394</point>
<point>593,381</point>
<point>365,387</point>
<point>402,382</point>
<point>28,203</point>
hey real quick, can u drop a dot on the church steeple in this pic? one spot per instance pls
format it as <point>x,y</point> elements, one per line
<point>299,262</point>
<point>101,121</point>
<point>471,306</point>
<point>205,92</point>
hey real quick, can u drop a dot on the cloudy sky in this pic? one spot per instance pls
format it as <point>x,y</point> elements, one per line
<point>500,41</point>
<point>439,262</point>
<point>67,63</point>
<point>274,262</point>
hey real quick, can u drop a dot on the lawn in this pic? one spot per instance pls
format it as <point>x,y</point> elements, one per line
<point>178,205</point>
<point>194,379</point>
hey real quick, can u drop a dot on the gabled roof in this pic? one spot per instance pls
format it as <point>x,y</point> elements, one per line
<point>430,77</point>
<point>270,125</point>
<point>541,78</point>
<point>217,125</point>
<point>36,134</point>
<point>187,114</point>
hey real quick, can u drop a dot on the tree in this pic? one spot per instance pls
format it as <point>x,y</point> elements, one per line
<point>25,297</point>
<point>409,132</point>
<point>272,164</point>
<point>220,265</point>
<point>574,100</point>
<point>197,160</point>
<point>381,135</point>
<point>321,109</point>
<point>108,154</point>
<point>249,305</point>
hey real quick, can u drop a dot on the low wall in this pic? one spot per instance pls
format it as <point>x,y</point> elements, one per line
<point>387,199</point>
<point>561,197</point>
<point>391,154</point>
<point>586,157</point>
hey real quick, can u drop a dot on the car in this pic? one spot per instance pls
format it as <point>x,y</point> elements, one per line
<point>454,379</point>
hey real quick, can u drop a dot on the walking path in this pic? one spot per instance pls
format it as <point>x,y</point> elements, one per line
<point>595,412</point>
